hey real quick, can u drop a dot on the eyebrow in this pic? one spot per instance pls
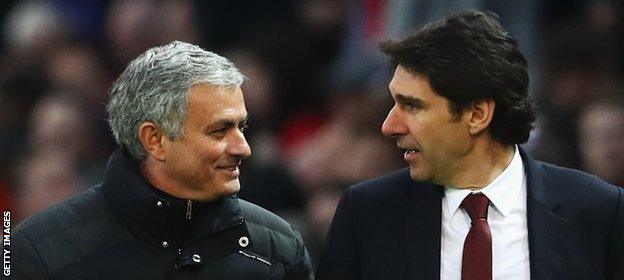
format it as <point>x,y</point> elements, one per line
<point>405,99</point>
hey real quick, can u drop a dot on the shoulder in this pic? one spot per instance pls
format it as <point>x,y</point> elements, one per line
<point>567,184</point>
<point>573,183</point>
<point>383,199</point>
<point>65,215</point>
<point>258,216</point>
<point>579,196</point>
<point>69,231</point>
<point>388,189</point>
<point>388,184</point>
<point>271,234</point>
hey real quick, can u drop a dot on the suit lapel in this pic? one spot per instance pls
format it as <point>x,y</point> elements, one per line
<point>545,225</point>
<point>423,223</point>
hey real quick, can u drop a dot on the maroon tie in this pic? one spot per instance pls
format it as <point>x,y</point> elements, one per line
<point>477,260</point>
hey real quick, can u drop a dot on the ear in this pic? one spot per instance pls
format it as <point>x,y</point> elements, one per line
<point>151,137</point>
<point>480,115</point>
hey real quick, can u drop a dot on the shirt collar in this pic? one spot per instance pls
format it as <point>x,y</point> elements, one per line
<point>502,192</point>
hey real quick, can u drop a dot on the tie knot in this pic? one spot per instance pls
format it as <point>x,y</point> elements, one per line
<point>476,204</point>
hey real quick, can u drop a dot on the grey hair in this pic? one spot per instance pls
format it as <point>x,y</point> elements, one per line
<point>155,88</point>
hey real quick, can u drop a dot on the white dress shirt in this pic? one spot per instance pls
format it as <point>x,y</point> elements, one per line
<point>508,224</point>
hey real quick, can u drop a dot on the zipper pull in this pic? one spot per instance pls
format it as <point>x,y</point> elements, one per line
<point>189,209</point>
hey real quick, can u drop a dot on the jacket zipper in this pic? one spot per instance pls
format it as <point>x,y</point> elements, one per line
<point>189,209</point>
<point>254,256</point>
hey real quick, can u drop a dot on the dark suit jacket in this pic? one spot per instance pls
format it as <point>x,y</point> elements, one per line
<point>389,228</point>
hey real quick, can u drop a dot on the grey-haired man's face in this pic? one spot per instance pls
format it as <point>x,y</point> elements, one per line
<point>205,162</point>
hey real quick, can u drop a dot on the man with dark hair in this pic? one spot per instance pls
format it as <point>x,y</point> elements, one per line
<point>167,208</point>
<point>600,133</point>
<point>472,204</point>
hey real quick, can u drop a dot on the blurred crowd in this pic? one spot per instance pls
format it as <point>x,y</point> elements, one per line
<point>316,90</point>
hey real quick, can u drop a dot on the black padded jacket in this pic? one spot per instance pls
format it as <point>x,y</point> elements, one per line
<point>126,229</point>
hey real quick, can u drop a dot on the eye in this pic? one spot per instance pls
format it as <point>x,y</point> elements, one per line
<point>219,132</point>
<point>411,107</point>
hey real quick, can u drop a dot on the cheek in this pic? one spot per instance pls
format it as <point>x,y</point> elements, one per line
<point>426,136</point>
<point>177,155</point>
<point>209,154</point>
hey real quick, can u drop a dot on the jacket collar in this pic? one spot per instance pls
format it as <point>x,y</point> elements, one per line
<point>157,216</point>
<point>546,226</point>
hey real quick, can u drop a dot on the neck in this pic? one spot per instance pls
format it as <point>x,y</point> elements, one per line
<point>484,163</point>
<point>152,171</point>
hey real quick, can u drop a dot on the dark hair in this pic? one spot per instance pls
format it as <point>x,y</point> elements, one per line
<point>470,57</point>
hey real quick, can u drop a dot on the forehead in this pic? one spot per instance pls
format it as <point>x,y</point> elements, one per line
<point>208,102</point>
<point>405,82</point>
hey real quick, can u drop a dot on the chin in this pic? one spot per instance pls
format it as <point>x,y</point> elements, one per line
<point>231,188</point>
<point>218,191</point>
<point>418,176</point>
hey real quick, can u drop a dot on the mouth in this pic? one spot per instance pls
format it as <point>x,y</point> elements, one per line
<point>410,154</point>
<point>230,170</point>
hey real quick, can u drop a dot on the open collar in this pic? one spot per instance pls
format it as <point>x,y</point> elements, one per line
<point>503,192</point>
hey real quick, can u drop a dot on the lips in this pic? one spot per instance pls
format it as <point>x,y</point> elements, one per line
<point>230,170</point>
<point>409,153</point>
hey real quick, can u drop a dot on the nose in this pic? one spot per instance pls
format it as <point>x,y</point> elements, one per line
<point>394,125</point>
<point>238,146</point>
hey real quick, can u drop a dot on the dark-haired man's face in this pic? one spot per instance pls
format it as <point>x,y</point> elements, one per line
<point>434,140</point>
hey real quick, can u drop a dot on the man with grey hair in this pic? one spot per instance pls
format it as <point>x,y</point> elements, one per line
<point>167,207</point>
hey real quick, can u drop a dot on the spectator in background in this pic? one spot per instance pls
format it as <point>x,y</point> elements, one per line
<point>167,207</point>
<point>54,168</point>
<point>58,125</point>
<point>46,178</point>
<point>601,138</point>
<point>134,25</point>
<point>581,57</point>
<point>31,31</point>
<point>78,71</point>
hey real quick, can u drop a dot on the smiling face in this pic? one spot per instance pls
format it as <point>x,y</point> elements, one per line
<point>204,163</point>
<point>436,142</point>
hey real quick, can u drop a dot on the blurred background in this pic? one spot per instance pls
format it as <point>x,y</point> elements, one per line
<point>316,94</point>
